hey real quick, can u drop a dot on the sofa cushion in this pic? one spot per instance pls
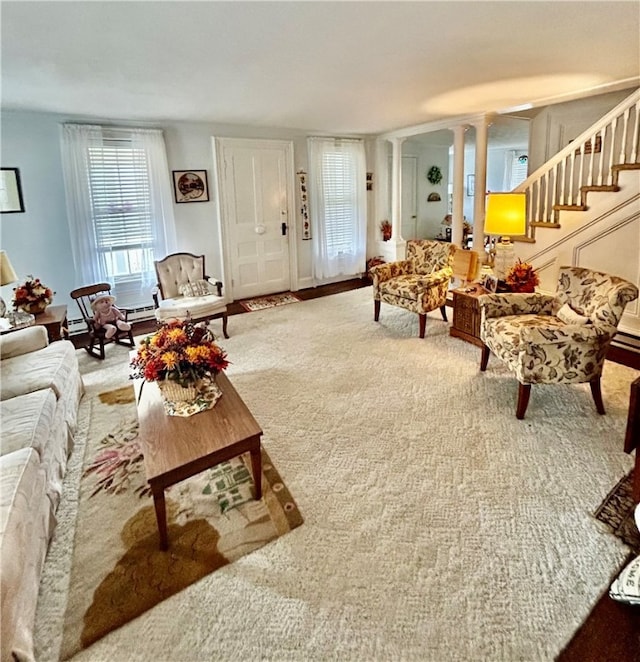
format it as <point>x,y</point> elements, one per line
<point>26,526</point>
<point>196,307</point>
<point>36,421</point>
<point>54,367</point>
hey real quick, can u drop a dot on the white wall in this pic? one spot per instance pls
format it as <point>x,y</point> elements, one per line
<point>38,241</point>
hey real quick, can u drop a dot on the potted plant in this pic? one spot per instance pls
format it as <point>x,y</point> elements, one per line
<point>385,227</point>
<point>33,296</point>
<point>182,358</point>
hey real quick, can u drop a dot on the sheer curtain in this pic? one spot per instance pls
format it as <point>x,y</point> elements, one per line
<point>77,140</point>
<point>337,193</point>
<point>119,206</point>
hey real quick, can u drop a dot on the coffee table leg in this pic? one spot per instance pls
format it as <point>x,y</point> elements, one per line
<point>161,517</point>
<point>256,467</point>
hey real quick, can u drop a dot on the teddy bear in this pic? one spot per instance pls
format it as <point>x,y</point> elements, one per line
<point>108,316</point>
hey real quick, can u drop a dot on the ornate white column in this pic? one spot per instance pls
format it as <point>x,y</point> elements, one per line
<point>481,127</point>
<point>457,217</point>
<point>395,248</point>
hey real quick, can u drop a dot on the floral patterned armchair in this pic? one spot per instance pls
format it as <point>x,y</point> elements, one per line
<point>560,339</point>
<point>419,283</point>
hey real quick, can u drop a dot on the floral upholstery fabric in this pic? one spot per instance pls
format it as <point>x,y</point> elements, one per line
<point>419,283</point>
<point>523,330</point>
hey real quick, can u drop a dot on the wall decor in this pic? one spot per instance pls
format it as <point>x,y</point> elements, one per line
<point>434,175</point>
<point>434,197</point>
<point>471,184</point>
<point>11,201</point>
<point>190,185</point>
<point>304,205</point>
<point>369,181</point>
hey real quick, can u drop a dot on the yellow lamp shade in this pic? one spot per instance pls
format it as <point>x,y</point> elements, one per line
<point>506,214</point>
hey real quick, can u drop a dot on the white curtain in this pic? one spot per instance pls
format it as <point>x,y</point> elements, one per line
<point>161,201</point>
<point>77,139</point>
<point>90,263</point>
<point>337,193</point>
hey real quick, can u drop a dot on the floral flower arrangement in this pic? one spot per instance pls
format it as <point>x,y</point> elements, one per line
<point>32,292</point>
<point>181,351</point>
<point>522,277</point>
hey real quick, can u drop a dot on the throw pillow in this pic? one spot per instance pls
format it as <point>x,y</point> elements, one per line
<point>569,316</point>
<point>199,288</point>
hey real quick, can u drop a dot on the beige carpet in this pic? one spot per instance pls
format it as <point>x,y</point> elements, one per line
<point>437,526</point>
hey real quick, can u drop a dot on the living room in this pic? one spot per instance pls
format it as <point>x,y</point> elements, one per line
<point>328,615</point>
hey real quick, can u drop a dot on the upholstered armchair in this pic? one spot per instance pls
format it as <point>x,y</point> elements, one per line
<point>561,339</point>
<point>419,283</point>
<point>185,291</point>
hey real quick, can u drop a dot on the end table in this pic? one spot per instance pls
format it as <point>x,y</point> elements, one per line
<point>466,313</point>
<point>54,319</point>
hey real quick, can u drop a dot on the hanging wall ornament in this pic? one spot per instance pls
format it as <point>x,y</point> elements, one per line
<point>304,206</point>
<point>434,175</point>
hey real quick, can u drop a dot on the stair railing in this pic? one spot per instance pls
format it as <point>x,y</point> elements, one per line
<point>590,162</point>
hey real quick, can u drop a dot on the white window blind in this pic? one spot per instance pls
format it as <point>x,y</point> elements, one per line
<point>120,199</point>
<point>340,201</point>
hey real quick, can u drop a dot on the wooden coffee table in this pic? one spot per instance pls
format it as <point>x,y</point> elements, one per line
<point>176,447</point>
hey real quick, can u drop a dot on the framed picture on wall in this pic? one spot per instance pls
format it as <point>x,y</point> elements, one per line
<point>11,201</point>
<point>191,185</point>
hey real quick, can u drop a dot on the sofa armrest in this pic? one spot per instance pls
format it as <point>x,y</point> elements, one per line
<point>23,341</point>
<point>436,278</point>
<point>501,305</point>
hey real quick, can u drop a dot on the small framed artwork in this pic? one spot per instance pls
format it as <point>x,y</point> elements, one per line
<point>11,201</point>
<point>471,185</point>
<point>191,185</point>
<point>489,282</point>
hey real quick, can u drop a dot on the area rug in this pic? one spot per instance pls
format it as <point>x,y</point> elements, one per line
<point>617,512</point>
<point>270,301</point>
<point>118,571</point>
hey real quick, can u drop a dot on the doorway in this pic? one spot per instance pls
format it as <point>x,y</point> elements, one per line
<point>257,214</point>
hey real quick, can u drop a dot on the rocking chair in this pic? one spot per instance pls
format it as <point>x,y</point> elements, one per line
<point>96,335</point>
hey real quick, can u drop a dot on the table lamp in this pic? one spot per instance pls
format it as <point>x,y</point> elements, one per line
<point>505,217</point>
<point>7,275</point>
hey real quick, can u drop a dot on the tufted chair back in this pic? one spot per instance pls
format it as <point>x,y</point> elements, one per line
<point>429,256</point>
<point>596,295</point>
<point>178,269</point>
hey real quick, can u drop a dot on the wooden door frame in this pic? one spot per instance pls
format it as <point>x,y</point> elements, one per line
<point>218,143</point>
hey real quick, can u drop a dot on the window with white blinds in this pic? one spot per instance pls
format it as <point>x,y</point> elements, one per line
<point>337,188</point>
<point>119,206</point>
<point>340,201</point>
<point>120,200</point>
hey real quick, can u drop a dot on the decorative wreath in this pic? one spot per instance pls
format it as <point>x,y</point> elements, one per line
<point>434,175</point>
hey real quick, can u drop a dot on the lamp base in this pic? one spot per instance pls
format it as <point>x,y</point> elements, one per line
<point>505,257</point>
<point>3,307</point>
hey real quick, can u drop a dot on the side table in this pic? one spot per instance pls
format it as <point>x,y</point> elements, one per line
<point>54,319</point>
<point>466,313</point>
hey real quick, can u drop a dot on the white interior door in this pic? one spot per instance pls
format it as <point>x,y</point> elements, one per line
<point>257,198</point>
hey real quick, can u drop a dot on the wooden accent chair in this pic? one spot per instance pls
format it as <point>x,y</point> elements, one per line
<point>561,339</point>
<point>96,335</point>
<point>185,291</point>
<point>419,284</point>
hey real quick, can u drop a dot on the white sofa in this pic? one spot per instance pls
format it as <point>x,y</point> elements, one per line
<point>40,391</point>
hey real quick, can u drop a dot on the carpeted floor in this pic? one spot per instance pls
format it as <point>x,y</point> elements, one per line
<point>437,527</point>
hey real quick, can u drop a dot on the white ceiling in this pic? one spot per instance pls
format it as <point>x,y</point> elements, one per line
<point>338,67</point>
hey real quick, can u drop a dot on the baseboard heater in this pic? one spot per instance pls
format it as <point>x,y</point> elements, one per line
<point>143,314</point>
